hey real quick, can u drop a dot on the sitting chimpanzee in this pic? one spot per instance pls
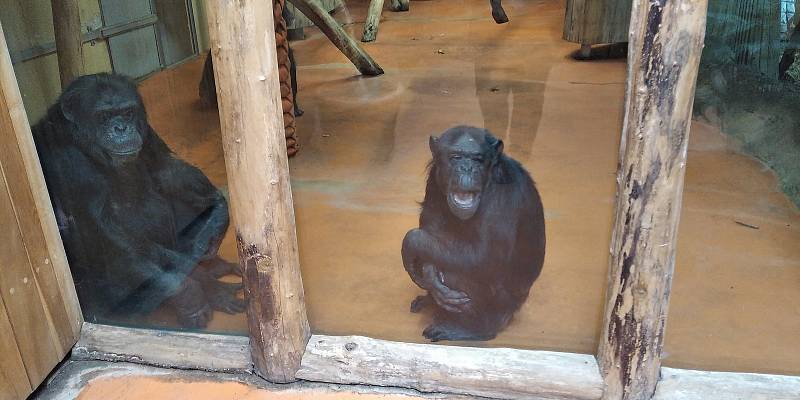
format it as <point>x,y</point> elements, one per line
<point>140,226</point>
<point>480,242</point>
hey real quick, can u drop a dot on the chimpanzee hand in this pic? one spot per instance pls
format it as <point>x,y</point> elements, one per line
<point>449,299</point>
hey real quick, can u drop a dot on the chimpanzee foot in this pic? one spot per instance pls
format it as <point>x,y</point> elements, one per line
<point>448,331</point>
<point>298,111</point>
<point>222,296</point>
<point>420,303</point>
<point>195,319</point>
<point>218,268</point>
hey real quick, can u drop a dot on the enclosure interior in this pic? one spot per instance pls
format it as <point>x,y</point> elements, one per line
<point>360,172</point>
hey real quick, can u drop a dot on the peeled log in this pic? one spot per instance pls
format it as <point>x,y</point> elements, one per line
<point>373,19</point>
<point>349,47</point>
<point>665,46</point>
<point>246,69</point>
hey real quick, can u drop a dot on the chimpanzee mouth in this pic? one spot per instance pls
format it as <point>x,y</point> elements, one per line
<point>125,153</point>
<point>464,199</point>
<point>463,204</point>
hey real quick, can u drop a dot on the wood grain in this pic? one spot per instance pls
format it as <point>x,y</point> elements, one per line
<point>665,48</point>
<point>14,383</point>
<point>36,284</point>
<point>494,373</point>
<point>184,350</point>
<point>34,333</point>
<point>34,211</point>
<point>261,204</point>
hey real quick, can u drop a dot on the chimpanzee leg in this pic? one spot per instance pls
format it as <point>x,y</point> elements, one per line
<point>498,13</point>
<point>478,324</point>
<point>422,302</point>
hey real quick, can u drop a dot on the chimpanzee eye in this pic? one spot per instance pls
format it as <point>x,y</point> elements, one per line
<point>455,157</point>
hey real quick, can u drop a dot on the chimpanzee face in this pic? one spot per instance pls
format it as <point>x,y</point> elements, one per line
<point>463,158</point>
<point>109,116</point>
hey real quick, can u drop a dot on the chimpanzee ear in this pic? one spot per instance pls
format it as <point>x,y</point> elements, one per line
<point>433,143</point>
<point>70,103</point>
<point>495,143</point>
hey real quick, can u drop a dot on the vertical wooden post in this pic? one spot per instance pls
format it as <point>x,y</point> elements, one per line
<point>245,64</point>
<point>373,19</point>
<point>69,39</point>
<point>666,40</point>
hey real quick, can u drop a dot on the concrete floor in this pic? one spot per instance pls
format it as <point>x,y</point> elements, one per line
<point>361,170</point>
<point>99,380</point>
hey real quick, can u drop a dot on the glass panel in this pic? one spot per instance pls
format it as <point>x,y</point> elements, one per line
<point>136,176</point>
<point>362,171</point>
<point>737,277</point>
<point>135,53</point>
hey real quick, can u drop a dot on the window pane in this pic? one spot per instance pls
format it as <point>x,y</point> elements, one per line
<point>738,269</point>
<point>134,165</point>
<point>362,171</point>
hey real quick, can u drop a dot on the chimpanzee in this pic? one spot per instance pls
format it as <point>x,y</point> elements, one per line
<point>481,241</point>
<point>139,225</point>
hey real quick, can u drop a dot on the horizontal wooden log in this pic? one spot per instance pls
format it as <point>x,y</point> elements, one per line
<point>490,372</point>
<point>222,353</point>
<point>678,384</point>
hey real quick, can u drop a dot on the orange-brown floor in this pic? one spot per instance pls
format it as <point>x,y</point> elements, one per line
<point>361,170</point>
<point>99,380</point>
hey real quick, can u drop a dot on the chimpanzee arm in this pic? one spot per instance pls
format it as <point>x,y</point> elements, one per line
<point>476,250</point>
<point>186,185</point>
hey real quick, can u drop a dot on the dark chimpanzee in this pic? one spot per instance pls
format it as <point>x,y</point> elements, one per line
<point>480,242</point>
<point>140,226</point>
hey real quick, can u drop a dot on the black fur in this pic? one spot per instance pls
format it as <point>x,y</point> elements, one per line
<point>136,221</point>
<point>476,269</point>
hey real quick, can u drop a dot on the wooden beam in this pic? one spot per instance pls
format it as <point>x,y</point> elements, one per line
<point>497,373</point>
<point>44,311</point>
<point>680,384</point>
<point>490,372</point>
<point>373,19</point>
<point>251,119</point>
<point>184,350</point>
<point>69,39</point>
<point>665,46</point>
<point>349,47</point>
